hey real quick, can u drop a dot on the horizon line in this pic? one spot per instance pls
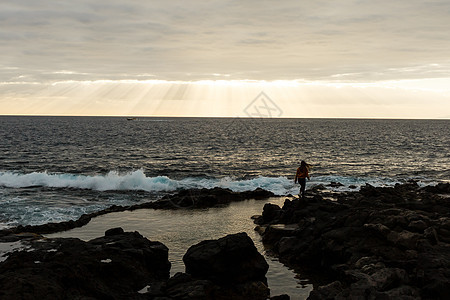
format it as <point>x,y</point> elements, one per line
<point>222,117</point>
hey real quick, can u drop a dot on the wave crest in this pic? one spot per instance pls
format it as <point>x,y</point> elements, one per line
<point>137,180</point>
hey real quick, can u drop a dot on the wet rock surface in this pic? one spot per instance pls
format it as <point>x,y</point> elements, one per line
<point>378,243</point>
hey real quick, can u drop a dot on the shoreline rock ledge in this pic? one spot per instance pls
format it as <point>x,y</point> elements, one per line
<point>115,266</point>
<point>126,265</point>
<point>378,243</point>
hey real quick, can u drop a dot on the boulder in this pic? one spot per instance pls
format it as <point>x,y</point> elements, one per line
<point>229,260</point>
<point>275,232</point>
<point>405,239</point>
<point>271,213</point>
<point>329,291</point>
<point>185,286</point>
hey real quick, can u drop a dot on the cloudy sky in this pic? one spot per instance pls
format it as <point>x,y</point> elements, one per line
<point>348,58</point>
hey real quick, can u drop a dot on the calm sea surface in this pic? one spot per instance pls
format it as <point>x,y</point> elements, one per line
<point>57,168</point>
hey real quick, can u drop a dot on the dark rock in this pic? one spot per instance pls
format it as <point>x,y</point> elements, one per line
<point>443,188</point>
<point>378,243</point>
<point>418,226</point>
<point>329,291</point>
<point>114,231</point>
<point>260,229</point>
<point>231,259</point>
<point>402,292</point>
<point>227,268</point>
<point>275,232</point>
<point>271,213</point>
<point>258,193</point>
<point>280,297</point>
<point>404,239</point>
<point>111,267</point>
<point>317,188</point>
<point>431,234</point>
<point>185,286</point>
<point>335,184</point>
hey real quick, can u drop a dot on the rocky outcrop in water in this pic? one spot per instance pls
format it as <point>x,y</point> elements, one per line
<point>226,268</point>
<point>378,243</point>
<point>230,259</point>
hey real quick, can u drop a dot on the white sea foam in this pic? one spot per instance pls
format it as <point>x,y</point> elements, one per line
<point>137,180</point>
<point>34,209</point>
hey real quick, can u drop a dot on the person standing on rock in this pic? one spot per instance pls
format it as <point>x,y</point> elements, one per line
<point>301,175</point>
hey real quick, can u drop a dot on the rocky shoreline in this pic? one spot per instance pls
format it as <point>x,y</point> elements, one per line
<point>126,265</point>
<point>378,243</point>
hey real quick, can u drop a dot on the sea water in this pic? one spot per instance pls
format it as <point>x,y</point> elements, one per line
<point>57,168</point>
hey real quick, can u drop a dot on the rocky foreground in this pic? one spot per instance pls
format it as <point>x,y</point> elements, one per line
<point>126,265</point>
<point>378,243</point>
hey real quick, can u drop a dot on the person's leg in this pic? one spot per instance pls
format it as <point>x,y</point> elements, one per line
<point>302,182</point>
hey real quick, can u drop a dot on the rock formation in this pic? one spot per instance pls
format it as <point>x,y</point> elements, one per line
<point>378,243</point>
<point>115,266</point>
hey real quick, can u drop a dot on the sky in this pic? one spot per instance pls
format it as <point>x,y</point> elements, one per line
<point>287,58</point>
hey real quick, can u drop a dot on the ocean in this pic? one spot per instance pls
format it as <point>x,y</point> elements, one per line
<point>57,168</point>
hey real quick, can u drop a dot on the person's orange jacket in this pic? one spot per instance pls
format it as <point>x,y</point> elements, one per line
<point>301,174</point>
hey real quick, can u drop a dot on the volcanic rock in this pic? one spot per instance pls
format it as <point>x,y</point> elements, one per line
<point>115,266</point>
<point>378,243</point>
<point>231,259</point>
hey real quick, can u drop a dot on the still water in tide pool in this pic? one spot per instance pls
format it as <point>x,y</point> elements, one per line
<point>180,229</point>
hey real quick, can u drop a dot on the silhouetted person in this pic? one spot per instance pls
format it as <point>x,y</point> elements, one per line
<point>301,175</point>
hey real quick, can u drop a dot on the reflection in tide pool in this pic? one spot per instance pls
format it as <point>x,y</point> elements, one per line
<point>180,229</point>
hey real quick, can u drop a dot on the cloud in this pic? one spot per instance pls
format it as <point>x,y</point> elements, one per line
<point>93,45</point>
<point>246,39</point>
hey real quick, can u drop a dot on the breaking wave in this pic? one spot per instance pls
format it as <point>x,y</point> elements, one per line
<point>137,180</point>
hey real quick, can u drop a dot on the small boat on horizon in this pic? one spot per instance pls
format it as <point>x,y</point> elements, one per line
<point>131,119</point>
